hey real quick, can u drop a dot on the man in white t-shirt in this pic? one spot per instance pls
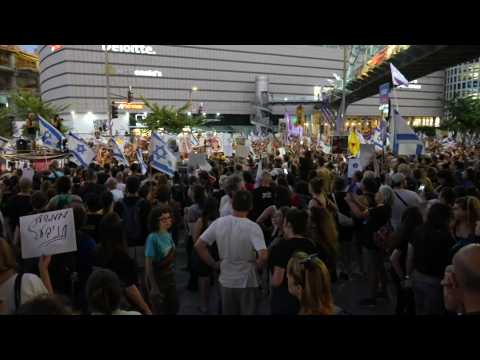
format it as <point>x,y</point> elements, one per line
<point>232,185</point>
<point>239,241</point>
<point>403,199</point>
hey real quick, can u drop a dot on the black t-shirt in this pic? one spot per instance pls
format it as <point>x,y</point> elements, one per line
<point>282,302</point>
<point>89,188</point>
<point>377,217</point>
<point>18,206</point>
<point>263,197</point>
<point>121,264</point>
<point>432,250</point>
<point>91,227</point>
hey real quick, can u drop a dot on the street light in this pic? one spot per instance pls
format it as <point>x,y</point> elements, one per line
<point>194,88</point>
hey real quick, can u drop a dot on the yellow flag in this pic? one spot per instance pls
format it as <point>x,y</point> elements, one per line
<point>353,143</point>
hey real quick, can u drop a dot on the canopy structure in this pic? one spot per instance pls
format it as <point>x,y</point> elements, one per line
<point>414,62</point>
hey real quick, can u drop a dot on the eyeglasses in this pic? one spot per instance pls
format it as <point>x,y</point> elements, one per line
<point>166,218</point>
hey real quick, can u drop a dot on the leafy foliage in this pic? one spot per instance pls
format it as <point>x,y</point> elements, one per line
<point>171,119</point>
<point>463,115</point>
<point>24,103</point>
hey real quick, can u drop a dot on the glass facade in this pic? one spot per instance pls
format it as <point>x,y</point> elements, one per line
<point>463,80</point>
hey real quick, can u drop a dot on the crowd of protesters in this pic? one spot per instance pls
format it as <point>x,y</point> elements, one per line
<point>410,227</point>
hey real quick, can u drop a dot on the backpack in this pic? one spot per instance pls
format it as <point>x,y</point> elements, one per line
<point>383,237</point>
<point>133,225</point>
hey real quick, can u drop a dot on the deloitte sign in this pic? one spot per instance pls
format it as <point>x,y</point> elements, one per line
<point>130,49</point>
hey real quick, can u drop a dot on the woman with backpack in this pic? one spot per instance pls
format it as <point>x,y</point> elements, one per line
<point>376,222</point>
<point>159,263</point>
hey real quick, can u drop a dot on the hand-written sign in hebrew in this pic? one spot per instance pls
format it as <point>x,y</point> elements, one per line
<point>48,233</point>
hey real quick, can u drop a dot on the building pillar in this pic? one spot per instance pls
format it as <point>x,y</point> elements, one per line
<point>13,65</point>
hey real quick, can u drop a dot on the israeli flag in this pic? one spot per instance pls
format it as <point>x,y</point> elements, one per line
<point>360,137</point>
<point>162,157</point>
<point>51,137</point>
<point>397,77</point>
<point>377,139</point>
<point>118,154</point>
<point>143,166</point>
<point>403,138</point>
<point>83,155</point>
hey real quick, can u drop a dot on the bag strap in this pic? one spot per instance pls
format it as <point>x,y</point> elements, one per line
<point>17,287</point>
<point>400,198</point>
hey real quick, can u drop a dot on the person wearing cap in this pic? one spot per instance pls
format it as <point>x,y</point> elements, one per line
<point>403,199</point>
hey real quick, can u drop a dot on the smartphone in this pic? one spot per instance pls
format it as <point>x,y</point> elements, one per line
<point>285,171</point>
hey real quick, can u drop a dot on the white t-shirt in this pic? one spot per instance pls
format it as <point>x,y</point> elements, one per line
<point>411,198</point>
<point>117,195</point>
<point>32,286</point>
<point>226,206</point>
<point>238,240</point>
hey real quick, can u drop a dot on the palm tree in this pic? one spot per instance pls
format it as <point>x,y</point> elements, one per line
<point>171,119</point>
<point>23,103</point>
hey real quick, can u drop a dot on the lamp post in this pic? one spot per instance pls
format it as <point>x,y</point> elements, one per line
<point>194,88</point>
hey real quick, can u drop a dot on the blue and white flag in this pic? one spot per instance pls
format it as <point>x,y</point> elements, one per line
<point>377,139</point>
<point>397,77</point>
<point>51,137</point>
<point>162,157</point>
<point>118,154</point>
<point>83,155</point>
<point>403,138</point>
<point>143,166</point>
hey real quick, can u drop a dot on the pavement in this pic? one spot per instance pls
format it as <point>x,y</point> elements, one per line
<point>346,295</point>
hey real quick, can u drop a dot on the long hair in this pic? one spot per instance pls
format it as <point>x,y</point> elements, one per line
<point>471,205</point>
<point>112,235</point>
<point>323,230</point>
<point>312,275</point>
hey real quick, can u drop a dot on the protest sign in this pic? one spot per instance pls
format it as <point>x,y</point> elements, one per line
<point>228,149</point>
<point>367,153</point>
<point>242,151</point>
<point>353,166</point>
<point>48,233</point>
<point>195,160</point>
<point>28,173</point>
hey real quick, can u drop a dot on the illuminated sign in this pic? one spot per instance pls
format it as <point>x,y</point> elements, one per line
<point>55,47</point>
<point>149,73</point>
<point>411,85</point>
<point>130,49</point>
<point>123,105</point>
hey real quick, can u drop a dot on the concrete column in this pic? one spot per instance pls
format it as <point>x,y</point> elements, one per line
<point>13,65</point>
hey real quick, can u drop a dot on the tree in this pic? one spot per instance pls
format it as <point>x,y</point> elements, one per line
<point>171,119</point>
<point>463,116</point>
<point>24,103</point>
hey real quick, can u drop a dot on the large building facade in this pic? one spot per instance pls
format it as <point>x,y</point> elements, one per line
<point>223,79</point>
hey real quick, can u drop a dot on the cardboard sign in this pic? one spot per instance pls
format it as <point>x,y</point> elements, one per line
<point>48,233</point>
<point>353,166</point>
<point>28,173</point>
<point>242,151</point>
<point>339,144</point>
